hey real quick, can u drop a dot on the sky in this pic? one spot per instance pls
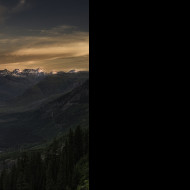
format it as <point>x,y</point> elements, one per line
<point>49,34</point>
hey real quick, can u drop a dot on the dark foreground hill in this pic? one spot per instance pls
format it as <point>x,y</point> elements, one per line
<point>23,127</point>
<point>63,164</point>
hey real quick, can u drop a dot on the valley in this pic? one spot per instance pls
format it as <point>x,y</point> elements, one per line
<point>41,107</point>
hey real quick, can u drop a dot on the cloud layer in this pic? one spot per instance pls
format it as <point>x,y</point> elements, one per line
<point>53,49</point>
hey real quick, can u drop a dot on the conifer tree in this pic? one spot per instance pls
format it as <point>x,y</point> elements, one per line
<point>62,166</point>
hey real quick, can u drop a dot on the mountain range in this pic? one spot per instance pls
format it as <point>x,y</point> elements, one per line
<point>37,107</point>
<point>29,72</point>
<point>24,73</point>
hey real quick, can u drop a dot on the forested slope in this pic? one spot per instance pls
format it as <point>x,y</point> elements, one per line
<point>62,165</point>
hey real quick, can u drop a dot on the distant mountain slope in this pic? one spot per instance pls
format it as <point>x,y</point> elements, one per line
<point>47,120</point>
<point>28,88</point>
<point>52,85</point>
<point>11,86</point>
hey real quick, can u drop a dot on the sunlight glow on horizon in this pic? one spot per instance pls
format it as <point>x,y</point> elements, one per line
<point>60,52</point>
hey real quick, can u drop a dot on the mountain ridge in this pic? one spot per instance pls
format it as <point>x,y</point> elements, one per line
<point>12,86</point>
<point>30,72</point>
<point>24,73</point>
<point>47,118</point>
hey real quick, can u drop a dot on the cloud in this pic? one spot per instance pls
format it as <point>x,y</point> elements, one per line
<point>22,5</point>
<point>52,50</point>
<point>73,49</point>
<point>3,11</point>
<point>58,30</point>
<point>6,12</point>
<point>80,63</point>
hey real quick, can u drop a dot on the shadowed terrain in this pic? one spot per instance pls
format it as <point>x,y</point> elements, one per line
<point>46,108</point>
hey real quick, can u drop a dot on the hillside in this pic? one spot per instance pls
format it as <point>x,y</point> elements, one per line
<point>29,126</point>
<point>51,85</point>
<point>61,164</point>
<point>11,86</point>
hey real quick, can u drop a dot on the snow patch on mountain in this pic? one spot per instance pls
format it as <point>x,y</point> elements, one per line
<point>24,73</point>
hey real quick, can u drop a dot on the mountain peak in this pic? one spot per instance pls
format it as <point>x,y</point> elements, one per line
<point>25,72</point>
<point>72,71</point>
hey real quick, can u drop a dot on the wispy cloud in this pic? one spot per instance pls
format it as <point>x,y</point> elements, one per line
<point>58,30</point>
<point>50,49</point>
<point>6,12</point>
<point>3,11</point>
<point>19,7</point>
